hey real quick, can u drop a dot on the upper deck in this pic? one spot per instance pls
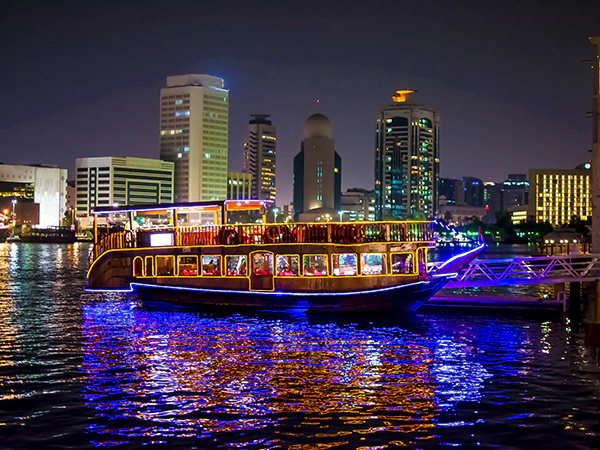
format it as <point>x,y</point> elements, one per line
<point>179,232</point>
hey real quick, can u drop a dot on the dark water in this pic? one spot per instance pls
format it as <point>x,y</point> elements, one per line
<point>79,370</point>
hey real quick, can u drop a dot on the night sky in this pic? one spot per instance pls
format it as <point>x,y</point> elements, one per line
<point>82,78</point>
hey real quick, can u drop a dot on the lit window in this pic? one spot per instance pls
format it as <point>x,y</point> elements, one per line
<point>178,102</point>
<point>179,155</point>
<point>211,265</point>
<point>236,266</point>
<point>315,265</point>
<point>344,264</point>
<point>262,264</point>
<point>188,266</point>
<point>288,265</point>
<point>402,263</point>
<point>373,264</point>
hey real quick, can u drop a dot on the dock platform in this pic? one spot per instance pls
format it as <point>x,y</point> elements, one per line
<point>495,302</point>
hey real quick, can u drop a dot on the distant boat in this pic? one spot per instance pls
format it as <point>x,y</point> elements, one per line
<point>327,266</point>
<point>45,235</point>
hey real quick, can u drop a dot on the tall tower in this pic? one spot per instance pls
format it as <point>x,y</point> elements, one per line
<point>406,159</point>
<point>596,147</point>
<point>260,156</point>
<point>194,119</point>
<point>317,169</point>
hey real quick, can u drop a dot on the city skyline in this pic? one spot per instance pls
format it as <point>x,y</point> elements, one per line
<point>515,89</point>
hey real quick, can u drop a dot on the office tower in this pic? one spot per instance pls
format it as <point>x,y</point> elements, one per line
<point>516,191</point>
<point>260,156</point>
<point>447,189</point>
<point>104,181</point>
<point>406,159</point>
<point>493,195</point>
<point>317,171</point>
<point>194,118</point>
<point>473,191</point>
<point>239,185</point>
<point>595,40</point>
<point>559,195</point>
<point>39,191</point>
<point>357,205</point>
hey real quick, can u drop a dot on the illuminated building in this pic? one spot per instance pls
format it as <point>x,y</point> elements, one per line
<point>518,214</point>
<point>459,215</point>
<point>595,40</point>
<point>317,171</point>
<point>239,185</point>
<point>493,198</point>
<point>358,205</point>
<point>107,180</point>
<point>406,159</point>
<point>516,191</point>
<point>558,195</point>
<point>45,186</point>
<point>452,190</point>
<point>472,192</point>
<point>194,118</point>
<point>260,152</point>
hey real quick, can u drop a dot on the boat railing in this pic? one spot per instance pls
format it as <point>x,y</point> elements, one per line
<point>236,234</point>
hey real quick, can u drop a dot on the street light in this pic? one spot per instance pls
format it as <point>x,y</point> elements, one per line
<point>341,213</point>
<point>275,211</point>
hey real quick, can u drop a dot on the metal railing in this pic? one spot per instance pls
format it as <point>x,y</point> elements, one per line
<point>314,233</point>
<point>532,270</point>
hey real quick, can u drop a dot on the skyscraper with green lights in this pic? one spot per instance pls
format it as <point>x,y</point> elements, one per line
<point>406,160</point>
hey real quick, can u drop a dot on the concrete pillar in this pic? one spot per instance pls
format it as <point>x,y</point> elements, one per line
<point>575,298</point>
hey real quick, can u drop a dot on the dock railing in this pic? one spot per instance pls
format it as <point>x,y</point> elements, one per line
<point>235,234</point>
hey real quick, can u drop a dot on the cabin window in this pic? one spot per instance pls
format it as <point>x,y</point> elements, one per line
<point>149,266</point>
<point>262,264</point>
<point>402,263</point>
<point>373,264</point>
<point>288,265</point>
<point>165,266</point>
<point>315,265</point>
<point>138,267</point>
<point>422,255</point>
<point>343,264</point>
<point>188,266</point>
<point>211,265</point>
<point>236,266</point>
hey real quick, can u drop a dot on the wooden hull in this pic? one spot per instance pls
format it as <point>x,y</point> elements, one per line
<point>400,297</point>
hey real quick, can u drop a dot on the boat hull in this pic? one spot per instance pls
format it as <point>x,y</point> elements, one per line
<point>400,297</point>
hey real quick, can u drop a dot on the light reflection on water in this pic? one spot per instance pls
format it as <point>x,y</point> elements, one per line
<point>79,369</point>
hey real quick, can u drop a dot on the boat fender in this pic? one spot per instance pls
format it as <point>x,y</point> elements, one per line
<point>359,233</point>
<point>273,233</point>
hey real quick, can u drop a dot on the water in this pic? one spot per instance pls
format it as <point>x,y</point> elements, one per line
<point>79,370</point>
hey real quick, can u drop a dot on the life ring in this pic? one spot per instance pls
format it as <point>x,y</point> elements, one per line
<point>359,233</point>
<point>272,233</point>
<point>228,236</point>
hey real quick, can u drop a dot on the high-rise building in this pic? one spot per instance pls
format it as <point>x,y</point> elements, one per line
<point>40,193</point>
<point>260,156</point>
<point>317,170</point>
<point>473,191</point>
<point>406,159</point>
<point>559,195</point>
<point>239,185</point>
<point>447,188</point>
<point>493,194</point>
<point>106,180</point>
<point>194,118</point>
<point>595,40</point>
<point>516,191</point>
<point>357,205</point>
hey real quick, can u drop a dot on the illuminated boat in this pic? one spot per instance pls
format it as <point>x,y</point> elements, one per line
<point>358,266</point>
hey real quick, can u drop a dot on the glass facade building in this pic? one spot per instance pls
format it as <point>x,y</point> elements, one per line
<point>406,159</point>
<point>260,157</point>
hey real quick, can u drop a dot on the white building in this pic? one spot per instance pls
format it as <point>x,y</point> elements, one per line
<point>44,185</point>
<point>358,205</point>
<point>194,120</point>
<point>260,156</point>
<point>106,180</point>
<point>406,159</point>
<point>317,170</point>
